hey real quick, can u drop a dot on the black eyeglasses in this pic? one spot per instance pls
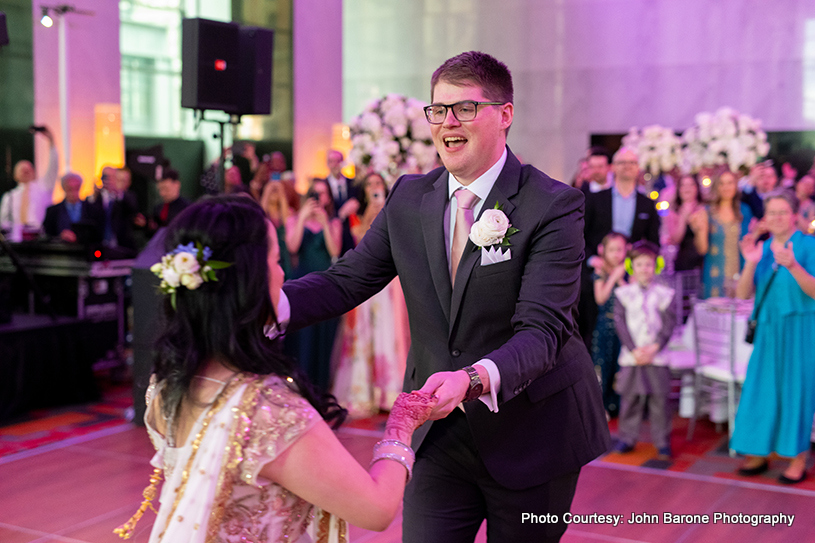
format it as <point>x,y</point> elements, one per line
<point>463,111</point>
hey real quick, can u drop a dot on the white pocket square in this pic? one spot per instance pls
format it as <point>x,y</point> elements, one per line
<point>493,255</point>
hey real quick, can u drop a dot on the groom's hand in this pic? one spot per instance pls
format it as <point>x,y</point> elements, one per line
<point>450,387</point>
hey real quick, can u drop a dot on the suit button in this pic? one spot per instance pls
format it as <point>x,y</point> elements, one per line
<point>456,352</point>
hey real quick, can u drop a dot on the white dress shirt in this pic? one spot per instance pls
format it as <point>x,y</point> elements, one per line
<point>481,187</point>
<point>40,196</point>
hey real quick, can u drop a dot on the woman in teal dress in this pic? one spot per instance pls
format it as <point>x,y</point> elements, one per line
<point>778,400</point>
<point>314,239</point>
<point>728,223</point>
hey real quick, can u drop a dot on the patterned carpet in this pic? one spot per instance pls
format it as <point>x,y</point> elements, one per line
<point>707,454</point>
<point>50,426</point>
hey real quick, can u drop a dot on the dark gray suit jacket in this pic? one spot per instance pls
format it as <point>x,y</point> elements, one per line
<point>517,313</point>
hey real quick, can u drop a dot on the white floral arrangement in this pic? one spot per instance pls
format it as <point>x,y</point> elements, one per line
<point>725,137</point>
<point>392,137</point>
<point>188,266</point>
<point>659,149</point>
<point>492,228</point>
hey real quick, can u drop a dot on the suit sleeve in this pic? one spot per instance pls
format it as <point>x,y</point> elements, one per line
<point>358,275</point>
<point>49,224</point>
<point>549,291</point>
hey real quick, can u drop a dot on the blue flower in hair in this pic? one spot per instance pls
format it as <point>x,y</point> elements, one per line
<point>188,248</point>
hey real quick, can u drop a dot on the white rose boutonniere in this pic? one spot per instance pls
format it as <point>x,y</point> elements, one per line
<point>490,233</point>
<point>493,228</point>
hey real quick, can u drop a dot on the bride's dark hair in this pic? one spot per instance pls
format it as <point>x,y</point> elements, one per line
<point>224,319</point>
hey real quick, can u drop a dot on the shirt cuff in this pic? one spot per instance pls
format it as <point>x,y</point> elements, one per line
<point>490,398</point>
<point>283,310</point>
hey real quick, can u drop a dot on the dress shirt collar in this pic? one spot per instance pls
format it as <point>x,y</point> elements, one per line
<point>482,186</point>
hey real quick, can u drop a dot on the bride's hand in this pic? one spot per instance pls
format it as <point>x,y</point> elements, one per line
<point>410,410</point>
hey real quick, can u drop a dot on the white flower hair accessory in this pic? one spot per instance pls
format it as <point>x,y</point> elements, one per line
<point>493,228</point>
<point>186,266</point>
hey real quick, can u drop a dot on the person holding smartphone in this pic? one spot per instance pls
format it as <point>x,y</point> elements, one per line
<point>22,209</point>
<point>314,239</point>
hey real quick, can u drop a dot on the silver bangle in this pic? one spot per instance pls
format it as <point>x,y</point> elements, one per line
<point>395,443</point>
<point>396,458</point>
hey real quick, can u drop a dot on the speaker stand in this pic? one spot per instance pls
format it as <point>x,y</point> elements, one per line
<point>234,121</point>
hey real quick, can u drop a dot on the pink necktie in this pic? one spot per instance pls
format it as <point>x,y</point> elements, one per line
<point>465,200</point>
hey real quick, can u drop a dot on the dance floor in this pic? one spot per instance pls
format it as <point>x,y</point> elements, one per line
<point>77,489</point>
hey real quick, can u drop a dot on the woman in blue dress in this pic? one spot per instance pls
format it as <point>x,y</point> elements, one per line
<point>728,222</point>
<point>778,400</point>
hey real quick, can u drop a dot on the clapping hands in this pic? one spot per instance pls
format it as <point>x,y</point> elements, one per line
<point>750,249</point>
<point>618,273</point>
<point>784,256</point>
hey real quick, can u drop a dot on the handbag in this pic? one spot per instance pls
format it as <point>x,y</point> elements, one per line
<point>752,324</point>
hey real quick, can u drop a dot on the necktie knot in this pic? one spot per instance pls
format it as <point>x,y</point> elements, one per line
<point>465,199</point>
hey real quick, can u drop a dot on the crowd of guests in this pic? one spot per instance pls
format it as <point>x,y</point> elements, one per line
<point>743,234</point>
<point>361,356</point>
<point>109,217</point>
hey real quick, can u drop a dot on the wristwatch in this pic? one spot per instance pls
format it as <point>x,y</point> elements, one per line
<point>476,386</point>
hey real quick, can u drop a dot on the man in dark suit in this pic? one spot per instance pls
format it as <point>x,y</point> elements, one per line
<point>119,210</point>
<point>172,203</point>
<point>343,191</point>
<point>621,208</point>
<point>519,408</point>
<point>72,215</point>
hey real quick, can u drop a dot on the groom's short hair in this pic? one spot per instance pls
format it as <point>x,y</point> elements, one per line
<point>478,69</point>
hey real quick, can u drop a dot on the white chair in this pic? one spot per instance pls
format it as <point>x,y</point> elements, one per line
<point>715,339</point>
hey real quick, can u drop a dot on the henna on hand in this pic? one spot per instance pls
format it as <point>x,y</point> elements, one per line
<point>410,410</point>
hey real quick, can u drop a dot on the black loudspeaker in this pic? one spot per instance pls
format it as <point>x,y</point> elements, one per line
<point>3,29</point>
<point>255,96</point>
<point>210,71</point>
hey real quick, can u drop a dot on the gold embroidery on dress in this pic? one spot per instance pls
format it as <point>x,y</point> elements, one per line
<point>233,456</point>
<point>261,432</point>
<point>216,406</point>
<point>267,419</point>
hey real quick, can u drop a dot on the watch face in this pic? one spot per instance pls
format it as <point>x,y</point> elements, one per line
<point>475,392</point>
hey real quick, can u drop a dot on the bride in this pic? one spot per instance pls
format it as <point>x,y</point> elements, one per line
<point>242,442</point>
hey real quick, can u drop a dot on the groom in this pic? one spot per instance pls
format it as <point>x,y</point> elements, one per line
<point>492,332</point>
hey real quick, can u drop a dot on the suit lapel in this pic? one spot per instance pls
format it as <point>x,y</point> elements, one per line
<point>505,187</point>
<point>432,218</point>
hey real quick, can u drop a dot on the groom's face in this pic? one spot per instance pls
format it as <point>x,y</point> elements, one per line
<point>470,148</point>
